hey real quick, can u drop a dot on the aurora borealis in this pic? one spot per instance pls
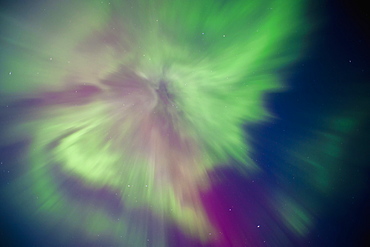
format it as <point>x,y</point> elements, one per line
<point>178,123</point>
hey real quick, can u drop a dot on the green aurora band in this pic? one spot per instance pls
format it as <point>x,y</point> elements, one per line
<point>143,98</point>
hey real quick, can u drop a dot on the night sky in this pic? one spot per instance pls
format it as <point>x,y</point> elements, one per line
<point>212,123</point>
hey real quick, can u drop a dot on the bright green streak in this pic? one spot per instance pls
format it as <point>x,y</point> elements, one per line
<point>219,59</point>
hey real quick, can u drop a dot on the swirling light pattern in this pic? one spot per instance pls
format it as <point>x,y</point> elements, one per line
<point>125,110</point>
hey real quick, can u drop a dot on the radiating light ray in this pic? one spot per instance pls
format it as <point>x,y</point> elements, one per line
<point>137,102</point>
